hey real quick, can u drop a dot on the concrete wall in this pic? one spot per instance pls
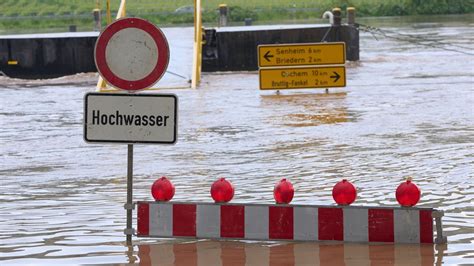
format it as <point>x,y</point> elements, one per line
<point>234,50</point>
<point>46,57</point>
<point>226,49</point>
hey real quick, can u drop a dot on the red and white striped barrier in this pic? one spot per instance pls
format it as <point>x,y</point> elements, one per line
<point>285,222</point>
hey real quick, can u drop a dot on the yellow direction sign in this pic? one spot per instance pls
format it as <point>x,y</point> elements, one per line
<point>302,77</point>
<point>302,54</point>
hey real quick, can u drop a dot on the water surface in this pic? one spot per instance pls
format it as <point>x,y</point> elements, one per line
<point>407,110</point>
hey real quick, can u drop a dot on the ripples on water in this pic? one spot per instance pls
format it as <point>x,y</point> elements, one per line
<point>407,110</point>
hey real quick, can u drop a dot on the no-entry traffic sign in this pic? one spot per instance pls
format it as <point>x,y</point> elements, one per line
<point>131,54</point>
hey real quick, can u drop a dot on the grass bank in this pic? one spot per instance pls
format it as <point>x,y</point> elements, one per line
<point>50,15</point>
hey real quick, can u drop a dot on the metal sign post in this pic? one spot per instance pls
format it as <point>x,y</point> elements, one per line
<point>130,118</point>
<point>131,54</point>
<point>129,206</point>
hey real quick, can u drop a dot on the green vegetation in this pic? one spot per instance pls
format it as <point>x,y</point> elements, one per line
<point>18,15</point>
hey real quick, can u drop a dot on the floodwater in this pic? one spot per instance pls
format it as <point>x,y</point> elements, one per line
<point>407,110</point>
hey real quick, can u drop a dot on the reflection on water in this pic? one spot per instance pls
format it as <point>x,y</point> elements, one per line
<point>261,254</point>
<point>310,109</point>
<point>407,110</point>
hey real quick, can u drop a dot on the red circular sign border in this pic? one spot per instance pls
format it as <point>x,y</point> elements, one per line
<point>156,73</point>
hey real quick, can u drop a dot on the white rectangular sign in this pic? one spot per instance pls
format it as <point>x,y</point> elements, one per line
<point>131,118</point>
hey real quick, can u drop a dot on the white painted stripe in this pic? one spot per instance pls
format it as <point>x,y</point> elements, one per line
<point>208,221</point>
<point>305,223</point>
<point>356,224</point>
<point>161,219</point>
<point>406,226</point>
<point>256,222</point>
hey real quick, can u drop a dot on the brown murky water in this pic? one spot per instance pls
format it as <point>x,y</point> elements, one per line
<point>407,110</point>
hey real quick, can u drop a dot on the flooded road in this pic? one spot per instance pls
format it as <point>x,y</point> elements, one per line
<point>407,110</point>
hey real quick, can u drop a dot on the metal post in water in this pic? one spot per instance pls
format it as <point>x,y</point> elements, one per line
<point>97,19</point>
<point>108,15</point>
<point>248,21</point>
<point>223,11</point>
<point>129,205</point>
<point>336,26</point>
<point>440,238</point>
<point>337,16</point>
<point>350,15</point>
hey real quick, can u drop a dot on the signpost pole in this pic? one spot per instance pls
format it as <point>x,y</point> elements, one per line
<point>128,75</point>
<point>129,205</point>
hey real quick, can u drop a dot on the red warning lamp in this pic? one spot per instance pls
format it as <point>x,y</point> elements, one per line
<point>344,192</point>
<point>162,189</point>
<point>408,194</point>
<point>283,192</point>
<point>222,190</point>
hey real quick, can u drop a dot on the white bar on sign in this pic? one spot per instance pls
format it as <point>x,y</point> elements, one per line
<point>208,222</point>
<point>161,219</point>
<point>406,226</point>
<point>356,224</point>
<point>305,226</point>
<point>256,222</point>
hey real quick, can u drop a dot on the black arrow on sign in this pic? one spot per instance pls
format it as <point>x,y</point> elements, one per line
<point>336,77</point>
<point>267,56</point>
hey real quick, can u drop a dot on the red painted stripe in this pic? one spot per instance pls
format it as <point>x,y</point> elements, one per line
<point>232,221</point>
<point>330,224</point>
<point>381,225</point>
<point>143,219</point>
<point>184,220</point>
<point>280,222</point>
<point>426,227</point>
